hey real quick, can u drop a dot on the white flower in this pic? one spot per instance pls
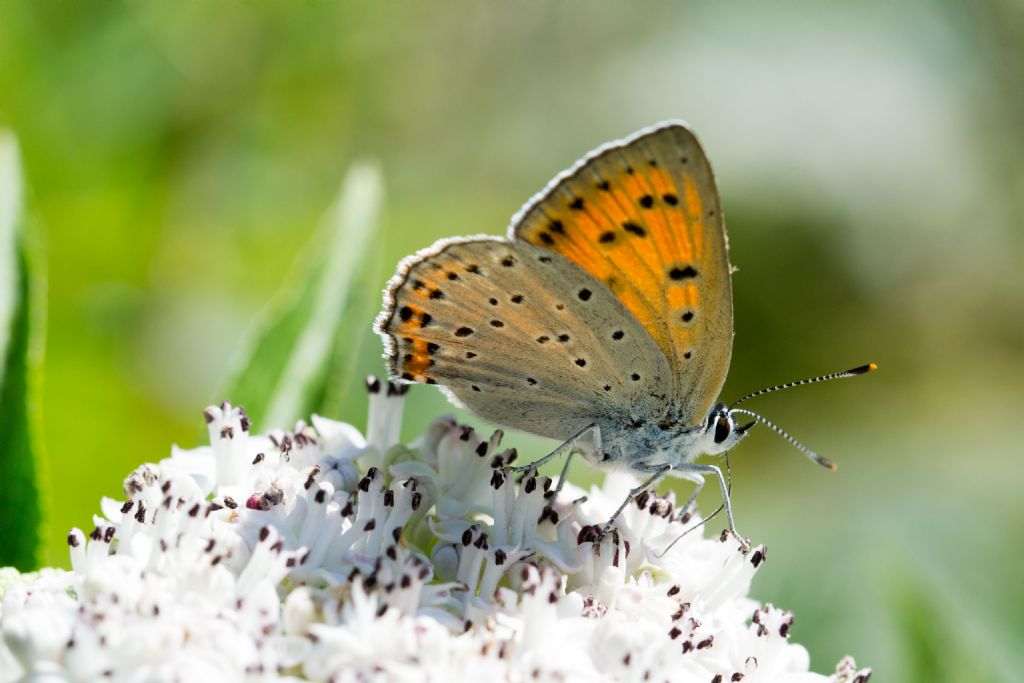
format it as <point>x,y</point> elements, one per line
<point>316,554</point>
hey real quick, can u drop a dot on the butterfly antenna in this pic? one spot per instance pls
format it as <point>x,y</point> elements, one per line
<point>824,462</point>
<point>861,370</point>
<point>728,488</point>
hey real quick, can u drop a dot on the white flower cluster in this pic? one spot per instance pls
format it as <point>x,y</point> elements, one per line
<point>320,555</point>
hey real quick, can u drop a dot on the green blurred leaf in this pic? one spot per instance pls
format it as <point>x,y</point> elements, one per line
<point>305,344</point>
<point>935,642</point>
<point>21,350</point>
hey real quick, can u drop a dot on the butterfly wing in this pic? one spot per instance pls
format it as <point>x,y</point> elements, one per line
<point>643,217</point>
<point>522,337</point>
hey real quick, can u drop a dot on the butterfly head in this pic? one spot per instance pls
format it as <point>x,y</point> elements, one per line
<point>720,431</point>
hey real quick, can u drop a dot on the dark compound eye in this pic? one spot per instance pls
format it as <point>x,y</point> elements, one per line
<point>722,430</point>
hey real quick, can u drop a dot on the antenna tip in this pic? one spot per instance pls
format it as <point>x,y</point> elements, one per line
<point>825,462</point>
<point>863,369</point>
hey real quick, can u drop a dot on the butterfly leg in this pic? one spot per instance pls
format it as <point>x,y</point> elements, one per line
<point>695,472</point>
<point>565,472</point>
<point>659,472</point>
<point>698,480</point>
<point>593,431</point>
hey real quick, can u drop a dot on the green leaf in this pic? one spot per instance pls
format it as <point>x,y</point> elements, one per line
<point>305,344</point>
<point>22,324</point>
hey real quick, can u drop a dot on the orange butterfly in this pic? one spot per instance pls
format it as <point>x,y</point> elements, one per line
<point>605,316</point>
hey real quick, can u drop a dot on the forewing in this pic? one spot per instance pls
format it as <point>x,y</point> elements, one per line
<point>643,217</point>
<point>522,337</point>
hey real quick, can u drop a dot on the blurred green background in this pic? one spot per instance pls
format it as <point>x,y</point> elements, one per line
<point>178,156</point>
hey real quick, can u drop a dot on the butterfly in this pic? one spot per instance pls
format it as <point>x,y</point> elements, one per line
<point>604,317</point>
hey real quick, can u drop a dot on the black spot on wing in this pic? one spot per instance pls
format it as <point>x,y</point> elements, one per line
<point>681,272</point>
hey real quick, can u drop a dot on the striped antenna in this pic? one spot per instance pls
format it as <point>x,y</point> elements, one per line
<point>824,462</point>
<point>861,370</point>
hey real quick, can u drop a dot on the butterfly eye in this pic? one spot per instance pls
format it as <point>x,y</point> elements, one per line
<point>722,429</point>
